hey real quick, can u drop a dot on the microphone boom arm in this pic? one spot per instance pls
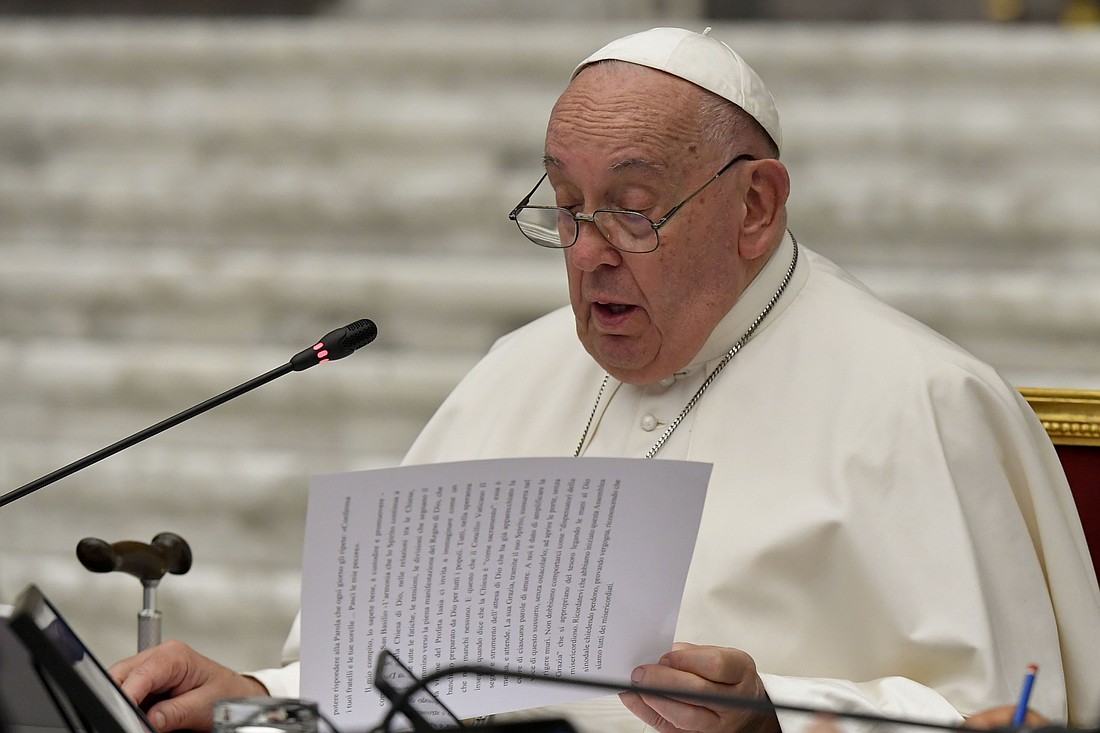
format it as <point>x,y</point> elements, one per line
<point>335,345</point>
<point>141,435</point>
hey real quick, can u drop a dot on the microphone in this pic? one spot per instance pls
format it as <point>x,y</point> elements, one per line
<point>334,345</point>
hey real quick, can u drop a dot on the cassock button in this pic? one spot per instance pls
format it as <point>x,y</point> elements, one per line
<point>649,423</point>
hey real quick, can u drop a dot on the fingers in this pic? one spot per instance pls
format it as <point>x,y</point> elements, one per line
<point>1002,717</point>
<point>152,671</point>
<point>192,710</point>
<point>700,670</point>
<point>703,670</point>
<point>637,705</point>
<point>189,683</point>
<point>668,715</point>
<point>715,664</point>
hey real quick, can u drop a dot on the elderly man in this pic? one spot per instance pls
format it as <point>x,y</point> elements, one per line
<point>887,528</point>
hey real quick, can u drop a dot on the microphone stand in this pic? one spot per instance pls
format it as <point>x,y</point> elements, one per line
<point>335,345</point>
<point>141,435</point>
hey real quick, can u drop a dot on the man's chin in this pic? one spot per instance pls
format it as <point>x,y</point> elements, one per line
<point>626,364</point>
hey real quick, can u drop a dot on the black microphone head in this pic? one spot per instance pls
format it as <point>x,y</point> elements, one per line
<point>336,344</point>
<point>354,336</point>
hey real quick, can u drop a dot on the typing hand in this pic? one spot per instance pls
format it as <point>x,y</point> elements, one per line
<point>177,686</point>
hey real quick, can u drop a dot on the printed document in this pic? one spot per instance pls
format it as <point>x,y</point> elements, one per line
<point>563,568</point>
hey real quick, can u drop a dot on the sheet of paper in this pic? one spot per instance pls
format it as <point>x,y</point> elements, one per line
<point>560,567</point>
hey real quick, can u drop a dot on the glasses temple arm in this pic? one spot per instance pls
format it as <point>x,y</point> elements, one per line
<point>526,199</point>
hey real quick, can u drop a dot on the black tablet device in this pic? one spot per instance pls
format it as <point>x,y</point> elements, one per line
<point>27,704</point>
<point>71,670</point>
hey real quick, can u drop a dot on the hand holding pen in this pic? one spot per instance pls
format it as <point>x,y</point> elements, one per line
<point>1015,716</point>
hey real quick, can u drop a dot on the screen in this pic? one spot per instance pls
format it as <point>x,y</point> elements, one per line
<point>27,705</point>
<point>78,675</point>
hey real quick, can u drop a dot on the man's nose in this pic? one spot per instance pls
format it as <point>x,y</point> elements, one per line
<point>592,248</point>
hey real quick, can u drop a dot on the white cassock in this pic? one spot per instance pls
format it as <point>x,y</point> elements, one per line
<point>887,527</point>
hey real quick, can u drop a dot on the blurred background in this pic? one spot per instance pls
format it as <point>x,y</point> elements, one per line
<point>191,191</point>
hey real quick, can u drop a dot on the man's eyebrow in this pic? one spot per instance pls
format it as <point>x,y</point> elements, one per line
<point>649,166</point>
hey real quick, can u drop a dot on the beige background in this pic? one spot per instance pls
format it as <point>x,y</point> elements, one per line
<point>186,204</point>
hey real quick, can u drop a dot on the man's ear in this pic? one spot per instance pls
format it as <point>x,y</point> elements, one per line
<point>765,208</point>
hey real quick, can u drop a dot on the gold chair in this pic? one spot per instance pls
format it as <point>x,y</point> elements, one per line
<point>1072,420</point>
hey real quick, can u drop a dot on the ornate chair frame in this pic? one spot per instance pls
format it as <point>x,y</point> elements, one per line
<point>1071,418</point>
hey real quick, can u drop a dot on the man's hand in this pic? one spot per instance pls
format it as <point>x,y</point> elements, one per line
<point>1001,717</point>
<point>708,670</point>
<point>177,686</point>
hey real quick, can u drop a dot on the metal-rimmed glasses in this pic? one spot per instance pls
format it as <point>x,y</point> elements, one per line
<point>626,231</point>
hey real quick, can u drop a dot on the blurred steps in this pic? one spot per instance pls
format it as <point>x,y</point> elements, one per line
<point>184,205</point>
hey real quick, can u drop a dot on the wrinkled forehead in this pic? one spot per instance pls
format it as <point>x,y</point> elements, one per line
<point>619,109</point>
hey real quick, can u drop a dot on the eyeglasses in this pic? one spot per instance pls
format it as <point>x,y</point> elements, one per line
<point>626,231</point>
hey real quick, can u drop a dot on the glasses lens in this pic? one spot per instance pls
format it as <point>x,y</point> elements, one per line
<point>423,709</point>
<point>546,226</point>
<point>626,230</point>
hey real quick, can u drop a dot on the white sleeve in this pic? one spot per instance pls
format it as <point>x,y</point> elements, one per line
<point>284,681</point>
<point>891,697</point>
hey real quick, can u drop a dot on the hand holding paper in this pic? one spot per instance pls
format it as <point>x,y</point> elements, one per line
<point>706,670</point>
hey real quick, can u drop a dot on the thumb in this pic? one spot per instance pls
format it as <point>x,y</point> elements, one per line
<point>193,710</point>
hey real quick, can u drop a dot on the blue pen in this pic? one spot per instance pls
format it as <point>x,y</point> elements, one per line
<point>1025,695</point>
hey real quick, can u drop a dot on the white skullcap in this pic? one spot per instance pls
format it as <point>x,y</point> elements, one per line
<point>702,60</point>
